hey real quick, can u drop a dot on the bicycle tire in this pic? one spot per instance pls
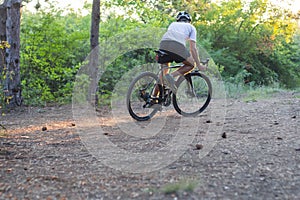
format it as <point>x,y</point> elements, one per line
<point>192,99</point>
<point>135,102</point>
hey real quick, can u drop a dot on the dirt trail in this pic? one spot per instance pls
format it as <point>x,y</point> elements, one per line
<point>256,156</point>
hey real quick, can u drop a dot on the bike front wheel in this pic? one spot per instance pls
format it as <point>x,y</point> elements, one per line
<point>138,96</point>
<point>193,94</point>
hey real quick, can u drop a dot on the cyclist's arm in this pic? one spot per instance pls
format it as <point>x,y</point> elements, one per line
<point>194,52</point>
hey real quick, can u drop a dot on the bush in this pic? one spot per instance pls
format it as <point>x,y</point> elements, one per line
<point>52,48</point>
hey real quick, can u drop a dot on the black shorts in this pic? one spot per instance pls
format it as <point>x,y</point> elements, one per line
<point>175,50</point>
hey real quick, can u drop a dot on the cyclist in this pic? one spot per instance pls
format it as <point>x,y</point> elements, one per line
<point>173,43</point>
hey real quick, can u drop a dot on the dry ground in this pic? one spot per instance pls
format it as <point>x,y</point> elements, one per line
<point>256,156</point>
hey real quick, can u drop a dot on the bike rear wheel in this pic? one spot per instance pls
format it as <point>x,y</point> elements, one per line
<point>138,96</point>
<point>193,94</point>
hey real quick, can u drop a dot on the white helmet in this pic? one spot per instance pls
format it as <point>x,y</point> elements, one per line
<point>183,15</point>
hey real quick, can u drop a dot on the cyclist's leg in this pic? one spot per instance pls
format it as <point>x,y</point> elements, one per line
<point>155,92</point>
<point>164,71</point>
<point>187,67</point>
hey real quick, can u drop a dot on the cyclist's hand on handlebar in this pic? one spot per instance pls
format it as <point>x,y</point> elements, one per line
<point>202,67</point>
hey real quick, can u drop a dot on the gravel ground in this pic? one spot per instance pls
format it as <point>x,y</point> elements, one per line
<point>255,156</point>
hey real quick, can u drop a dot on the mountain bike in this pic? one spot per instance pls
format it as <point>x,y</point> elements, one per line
<point>193,94</point>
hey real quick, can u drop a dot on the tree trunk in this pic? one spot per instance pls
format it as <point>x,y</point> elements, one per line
<point>94,40</point>
<point>3,16</point>
<point>94,55</point>
<point>11,33</point>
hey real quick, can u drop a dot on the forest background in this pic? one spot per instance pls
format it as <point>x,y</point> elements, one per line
<point>254,44</point>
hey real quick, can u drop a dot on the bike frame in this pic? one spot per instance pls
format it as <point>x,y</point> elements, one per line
<point>161,73</point>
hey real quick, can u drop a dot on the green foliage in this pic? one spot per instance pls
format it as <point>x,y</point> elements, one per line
<point>253,44</point>
<point>285,62</point>
<point>81,86</point>
<point>251,35</point>
<point>119,67</point>
<point>52,48</point>
<point>3,74</point>
<point>236,34</point>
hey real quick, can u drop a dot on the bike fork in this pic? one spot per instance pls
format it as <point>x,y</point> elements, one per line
<point>190,85</point>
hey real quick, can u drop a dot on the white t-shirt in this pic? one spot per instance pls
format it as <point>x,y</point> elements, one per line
<point>180,32</point>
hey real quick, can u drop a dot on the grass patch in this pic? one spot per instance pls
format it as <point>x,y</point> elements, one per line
<point>263,92</point>
<point>251,93</point>
<point>182,186</point>
<point>234,90</point>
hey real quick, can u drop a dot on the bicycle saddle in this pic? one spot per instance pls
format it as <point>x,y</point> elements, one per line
<point>161,52</point>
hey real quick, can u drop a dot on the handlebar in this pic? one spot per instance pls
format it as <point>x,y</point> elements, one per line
<point>205,62</point>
